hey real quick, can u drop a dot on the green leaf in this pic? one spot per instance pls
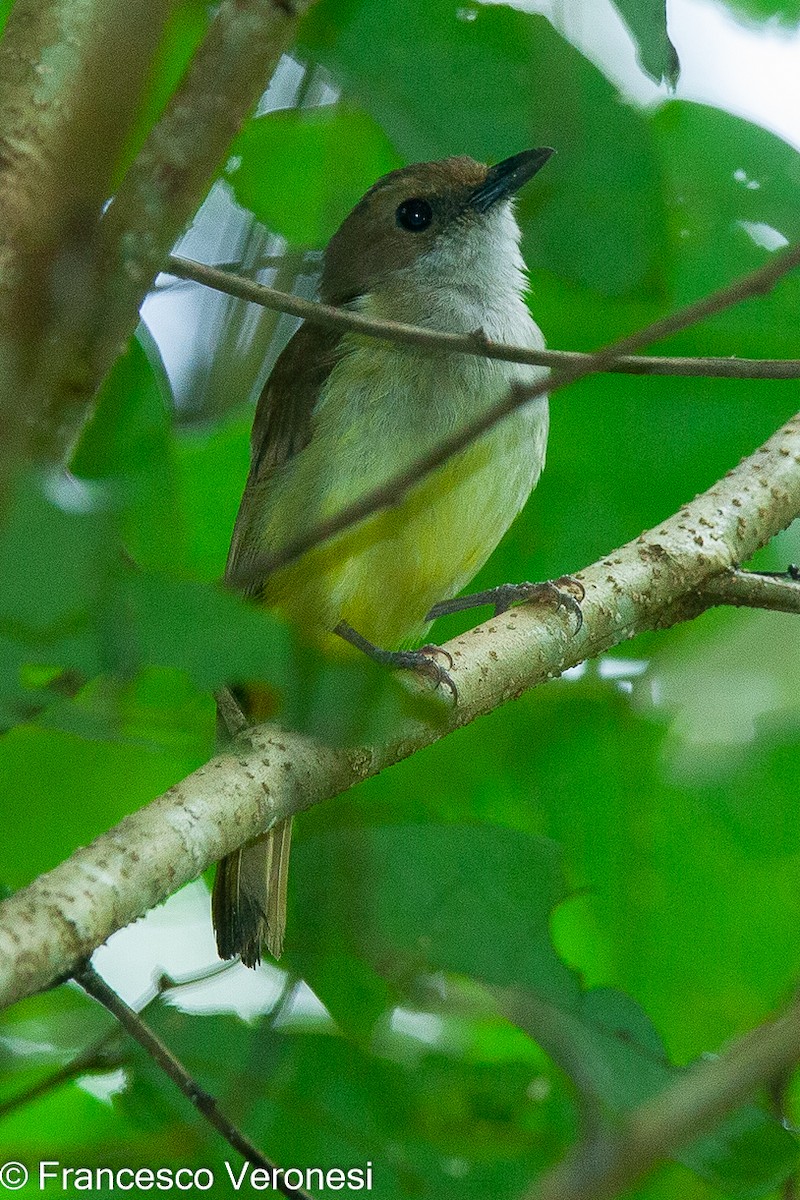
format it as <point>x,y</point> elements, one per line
<point>784,13</point>
<point>5,9</point>
<point>209,633</point>
<point>430,1127</point>
<point>59,563</point>
<point>477,901</point>
<point>731,191</point>
<point>55,555</point>
<point>742,764</point>
<point>69,1117</point>
<point>489,81</point>
<point>454,875</point>
<point>128,445</point>
<point>38,1038</point>
<point>212,468</point>
<point>647,21</point>
<point>84,767</point>
<point>301,171</point>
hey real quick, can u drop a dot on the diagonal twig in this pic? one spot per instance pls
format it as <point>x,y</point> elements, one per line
<point>96,987</point>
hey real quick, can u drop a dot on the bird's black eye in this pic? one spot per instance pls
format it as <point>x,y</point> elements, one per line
<point>414,215</point>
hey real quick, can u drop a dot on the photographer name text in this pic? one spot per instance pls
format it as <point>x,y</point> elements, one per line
<point>52,1176</point>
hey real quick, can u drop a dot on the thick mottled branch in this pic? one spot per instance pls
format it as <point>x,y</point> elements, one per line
<point>660,578</point>
<point>71,77</point>
<point>173,170</point>
<point>392,491</point>
<point>476,343</point>
<point>70,283</point>
<point>174,1069</point>
<point>685,1110</point>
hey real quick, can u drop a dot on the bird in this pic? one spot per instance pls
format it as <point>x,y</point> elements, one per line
<point>437,245</point>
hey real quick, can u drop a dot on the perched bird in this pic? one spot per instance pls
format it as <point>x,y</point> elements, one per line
<point>434,244</point>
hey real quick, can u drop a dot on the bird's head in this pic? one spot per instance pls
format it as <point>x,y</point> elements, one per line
<point>445,218</point>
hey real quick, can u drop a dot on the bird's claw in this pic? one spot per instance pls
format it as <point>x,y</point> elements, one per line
<point>423,661</point>
<point>564,592</point>
<point>432,650</point>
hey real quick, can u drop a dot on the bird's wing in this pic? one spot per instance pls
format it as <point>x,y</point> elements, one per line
<point>283,426</point>
<point>249,904</point>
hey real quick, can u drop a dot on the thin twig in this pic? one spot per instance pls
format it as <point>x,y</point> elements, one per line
<point>99,1056</point>
<point>678,1115</point>
<point>387,494</point>
<point>299,259</point>
<point>223,280</point>
<point>96,1057</point>
<point>545,1024</point>
<point>750,589</point>
<point>203,1101</point>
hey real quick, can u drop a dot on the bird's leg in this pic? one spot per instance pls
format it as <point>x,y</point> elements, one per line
<point>422,661</point>
<point>565,592</point>
<point>230,714</point>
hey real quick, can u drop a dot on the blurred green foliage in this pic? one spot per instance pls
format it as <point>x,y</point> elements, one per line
<point>579,894</point>
<point>325,156</point>
<point>647,21</point>
<point>779,11</point>
<point>496,82</point>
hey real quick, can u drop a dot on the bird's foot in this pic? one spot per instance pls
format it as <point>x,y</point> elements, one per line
<point>422,661</point>
<point>563,593</point>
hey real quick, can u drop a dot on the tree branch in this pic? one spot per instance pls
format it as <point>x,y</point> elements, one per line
<point>172,172</point>
<point>432,340</point>
<point>689,1107</point>
<point>70,283</point>
<point>387,494</point>
<point>749,589</point>
<point>71,77</point>
<point>664,576</point>
<point>96,987</point>
<point>106,1053</point>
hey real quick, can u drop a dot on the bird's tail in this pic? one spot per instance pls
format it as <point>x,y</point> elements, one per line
<point>249,900</point>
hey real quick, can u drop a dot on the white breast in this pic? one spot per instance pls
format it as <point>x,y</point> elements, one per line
<point>474,279</point>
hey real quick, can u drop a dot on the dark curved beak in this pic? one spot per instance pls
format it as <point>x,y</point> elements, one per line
<point>508,177</point>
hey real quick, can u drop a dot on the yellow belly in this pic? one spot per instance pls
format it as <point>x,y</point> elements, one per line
<point>383,576</point>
